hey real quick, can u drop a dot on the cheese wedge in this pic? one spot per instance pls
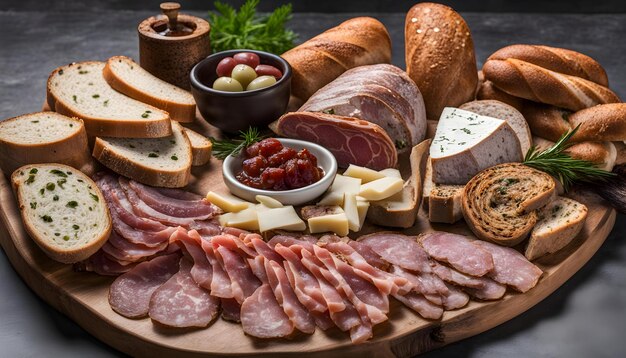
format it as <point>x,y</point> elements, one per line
<point>337,223</point>
<point>391,173</point>
<point>352,211</point>
<point>228,203</point>
<point>362,206</point>
<point>341,185</point>
<point>268,201</point>
<point>365,174</point>
<point>284,218</point>
<point>381,189</point>
<point>466,143</point>
<point>246,219</point>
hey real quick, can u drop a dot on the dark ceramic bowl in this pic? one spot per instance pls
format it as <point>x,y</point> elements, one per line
<point>235,111</point>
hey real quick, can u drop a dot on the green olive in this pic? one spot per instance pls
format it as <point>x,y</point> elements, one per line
<point>261,82</point>
<point>227,84</point>
<point>244,74</point>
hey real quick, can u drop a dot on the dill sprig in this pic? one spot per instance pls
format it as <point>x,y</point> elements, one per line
<point>226,147</point>
<point>561,165</point>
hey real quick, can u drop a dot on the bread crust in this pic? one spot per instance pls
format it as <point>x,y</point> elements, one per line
<point>603,154</point>
<point>488,91</point>
<point>201,153</point>
<point>546,121</point>
<point>180,112</point>
<point>606,122</point>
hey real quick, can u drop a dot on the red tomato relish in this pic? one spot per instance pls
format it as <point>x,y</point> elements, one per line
<point>271,166</point>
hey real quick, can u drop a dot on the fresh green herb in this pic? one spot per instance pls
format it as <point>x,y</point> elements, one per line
<point>55,198</point>
<point>46,218</point>
<point>42,190</point>
<point>50,186</point>
<point>172,141</point>
<point>66,238</point>
<point>33,171</point>
<point>71,125</point>
<point>80,180</point>
<point>61,72</point>
<point>95,96</point>
<point>105,103</point>
<point>173,157</point>
<point>74,98</point>
<point>31,178</point>
<point>467,131</point>
<point>34,121</point>
<point>75,227</point>
<point>145,115</point>
<point>232,29</point>
<point>57,234</point>
<point>60,183</point>
<point>400,144</point>
<point>566,169</point>
<point>94,197</point>
<point>153,155</point>
<point>33,205</point>
<point>58,172</point>
<point>224,148</point>
<point>72,204</point>
<point>82,72</point>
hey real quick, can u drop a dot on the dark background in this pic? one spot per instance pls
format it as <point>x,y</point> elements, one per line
<point>543,6</point>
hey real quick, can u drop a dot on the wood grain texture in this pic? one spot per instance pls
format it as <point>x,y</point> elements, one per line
<point>84,296</point>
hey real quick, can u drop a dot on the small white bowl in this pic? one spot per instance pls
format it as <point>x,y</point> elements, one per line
<point>325,159</point>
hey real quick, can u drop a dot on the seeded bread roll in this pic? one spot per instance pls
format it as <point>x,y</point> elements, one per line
<point>127,77</point>
<point>63,210</point>
<point>201,147</point>
<point>444,203</point>
<point>43,137</point>
<point>500,203</point>
<point>559,223</point>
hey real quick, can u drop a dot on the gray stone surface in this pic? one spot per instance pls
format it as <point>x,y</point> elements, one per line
<point>585,317</point>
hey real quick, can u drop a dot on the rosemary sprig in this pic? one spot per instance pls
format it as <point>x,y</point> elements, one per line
<point>226,147</point>
<point>561,165</point>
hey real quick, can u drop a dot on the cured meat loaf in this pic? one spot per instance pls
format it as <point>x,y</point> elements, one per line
<point>352,141</point>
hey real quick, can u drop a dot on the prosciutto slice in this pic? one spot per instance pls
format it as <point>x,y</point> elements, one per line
<point>243,282</point>
<point>427,284</point>
<point>180,302</point>
<point>262,316</point>
<point>459,252</point>
<point>173,206</point>
<point>105,265</point>
<point>482,288</point>
<point>511,267</point>
<point>369,255</point>
<point>231,309</point>
<point>455,298</point>
<point>133,250</point>
<point>220,282</point>
<point>400,250</point>
<point>130,293</point>
<point>418,303</point>
<point>191,242</point>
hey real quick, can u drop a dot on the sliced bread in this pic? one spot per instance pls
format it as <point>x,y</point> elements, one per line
<point>79,90</point>
<point>201,147</point>
<point>43,137</point>
<point>162,162</point>
<point>63,210</point>
<point>444,203</point>
<point>559,223</point>
<point>127,77</point>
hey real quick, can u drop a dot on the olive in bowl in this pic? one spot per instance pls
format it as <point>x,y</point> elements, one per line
<point>237,89</point>
<point>233,166</point>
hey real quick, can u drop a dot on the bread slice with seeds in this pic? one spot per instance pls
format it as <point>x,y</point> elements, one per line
<point>79,90</point>
<point>201,147</point>
<point>162,162</point>
<point>127,77</point>
<point>62,209</point>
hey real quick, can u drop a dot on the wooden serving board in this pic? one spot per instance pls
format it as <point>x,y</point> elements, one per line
<point>84,296</point>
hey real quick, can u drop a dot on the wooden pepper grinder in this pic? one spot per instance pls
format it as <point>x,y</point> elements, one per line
<point>172,43</point>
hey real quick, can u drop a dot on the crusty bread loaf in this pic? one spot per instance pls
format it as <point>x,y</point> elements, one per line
<point>79,90</point>
<point>603,122</point>
<point>127,77</point>
<point>620,158</point>
<point>546,121</point>
<point>559,223</point>
<point>201,147</point>
<point>162,162</point>
<point>488,91</point>
<point>556,59</point>
<point>444,203</point>
<point>43,137</point>
<point>525,80</point>
<point>355,42</point>
<point>603,154</point>
<point>62,209</point>
<point>439,54</point>
<point>501,110</point>
<point>499,204</point>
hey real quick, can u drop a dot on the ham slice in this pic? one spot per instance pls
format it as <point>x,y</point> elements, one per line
<point>130,293</point>
<point>418,303</point>
<point>262,316</point>
<point>482,288</point>
<point>242,280</point>
<point>105,265</point>
<point>459,252</point>
<point>206,227</point>
<point>191,242</point>
<point>511,267</point>
<point>170,205</point>
<point>400,250</point>
<point>352,141</point>
<point>129,249</point>
<point>180,302</point>
<point>369,255</point>
<point>231,309</point>
<point>220,282</point>
<point>427,284</point>
<point>455,298</point>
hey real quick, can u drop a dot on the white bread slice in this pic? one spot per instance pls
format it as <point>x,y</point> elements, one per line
<point>43,137</point>
<point>127,77</point>
<point>62,209</point>
<point>444,203</point>
<point>559,223</point>
<point>162,162</point>
<point>79,90</point>
<point>201,147</point>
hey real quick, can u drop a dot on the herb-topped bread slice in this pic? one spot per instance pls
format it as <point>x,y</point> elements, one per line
<point>79,90</point>
<point>127,77</point>
<point>63,210</point>
<point>162,162</point>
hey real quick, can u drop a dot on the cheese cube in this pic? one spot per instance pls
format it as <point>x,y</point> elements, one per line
<point>352,211</point>
<point>381,189</point>
<point>246,219</point>
<point>391,173</point>
<point>268,201</point>
<point>284,218</point>
<point>365,174</point>
<point>337,223</point>
<point>362,207</point>
<point>228,203</point>
<point>341,185</point>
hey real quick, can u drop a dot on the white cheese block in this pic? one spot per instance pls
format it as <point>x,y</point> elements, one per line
<point>391,173</point>
<point>228,203</point>
<point>337,223</point>
<point>350,207</point>
<point>268,201</point>
<point>365,174</point>
<point>341,185</point>
<point>284,218</point>
<point>381,189</point>
<point>246,219</point>
<point>466,143</point>
<point>362,207</point>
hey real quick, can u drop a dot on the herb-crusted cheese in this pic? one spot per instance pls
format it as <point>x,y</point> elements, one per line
<point>466,143</point>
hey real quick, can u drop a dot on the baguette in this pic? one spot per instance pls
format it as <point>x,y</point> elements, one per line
<point>161,162</point>
<point>63,210</point>
<point>525,80</point>
<point>315,63</point>
<point>201,147</point>
<point>559,223</point>
<point>43,137</point>
<point>488,91</point>
<point>603,154</point>
<point>605,122</point>
<point>126,76</point>
<point>546,121</point>
<point>79,90</point>
<point>440,57</point>
<point>556,59</point>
